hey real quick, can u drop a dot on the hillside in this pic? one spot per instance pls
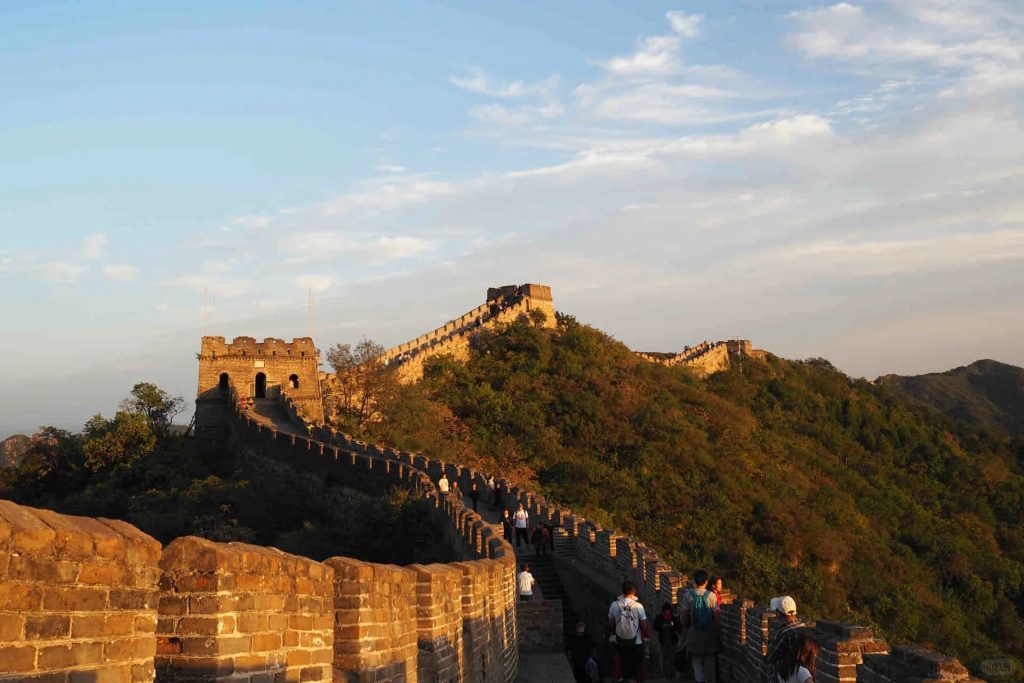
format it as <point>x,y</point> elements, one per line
<point>986,393</point>
<point>785,476</point>
<point>12,449</point>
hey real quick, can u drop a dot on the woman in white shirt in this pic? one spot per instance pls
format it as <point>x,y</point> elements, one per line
<point>797,665</point>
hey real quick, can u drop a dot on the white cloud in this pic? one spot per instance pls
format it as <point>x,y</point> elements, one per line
<point>316,283</point>
<point>478,82</point>
<point>502,115</point>
<point>686,25</point>
<point>120,273</point>
<point>389,168</point>
<point>977,41</point>
<point>654,56</point>
<point>91,248</point>
<point>61,272</point>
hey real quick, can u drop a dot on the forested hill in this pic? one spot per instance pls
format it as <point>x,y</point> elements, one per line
<point>986,393</point>
<point>787,477</point>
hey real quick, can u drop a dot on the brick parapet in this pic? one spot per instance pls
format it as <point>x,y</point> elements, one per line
<point>243,611</point>
<point>78,598</point>
<point>481,642</point>
<point>375,609</point>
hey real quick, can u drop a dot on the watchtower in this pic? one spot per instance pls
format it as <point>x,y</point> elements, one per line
<point>269,369</point>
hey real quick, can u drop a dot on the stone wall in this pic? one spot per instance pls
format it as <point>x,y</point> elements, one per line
<point>465,611</point>
<point>589,557</point>
<point>77,598</point>
<point>240,362</point>
<point>503,305</point>
<point>706,358</point>
<point>244,611</point>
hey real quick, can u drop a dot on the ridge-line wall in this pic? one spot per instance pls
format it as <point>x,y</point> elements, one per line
<point>588,554</point>
<point>465,611</point>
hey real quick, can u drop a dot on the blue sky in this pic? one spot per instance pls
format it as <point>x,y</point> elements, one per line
<point>829,179</point>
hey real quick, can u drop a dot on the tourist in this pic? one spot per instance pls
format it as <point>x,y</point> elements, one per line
<point>593,668</point>
<point>628,622</point>
<point>715,585</point>
<point>521,518</point>
<point>507,526</point>
<point>665,625</point>
<point>699,617</point>
<point>540,541</point>
<point>525,583</point>
<point>492,489</point>
<point>456,492</point>
<point>578,648</point>
<point>797,665</point>
<point>785,638</point>
<point>474,495</point>
<point>442,484</point>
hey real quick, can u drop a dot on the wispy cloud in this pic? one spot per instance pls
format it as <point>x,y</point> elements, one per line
<point>92,247</point>
<point>477,81</point>
<point>315,283</point>
<point>120,273</point>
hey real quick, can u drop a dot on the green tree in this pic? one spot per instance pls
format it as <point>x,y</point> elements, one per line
<point>364,386</point>
<point>159,407</point>
<point>118,442</point>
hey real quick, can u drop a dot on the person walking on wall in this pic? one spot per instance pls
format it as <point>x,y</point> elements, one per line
<point>700,619</point>
<point>525,583</point>
<point>665,625</point>
<point>521,518</point>
<point>540,543</point>
<point>442,485</point>
<point>474,495</point>
<point>785,638</point>
<point>579,647</point>
<point>797,666</point>
<point>507,525</point>
<point>628,622</point>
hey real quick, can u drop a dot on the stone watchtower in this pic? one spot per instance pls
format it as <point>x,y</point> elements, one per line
<point>269,369</point>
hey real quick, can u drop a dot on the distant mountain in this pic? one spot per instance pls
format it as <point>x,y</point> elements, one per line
<point>986,394</point>
<point>11,450</point>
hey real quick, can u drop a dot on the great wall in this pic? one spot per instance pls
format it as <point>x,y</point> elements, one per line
<point>87,600</point>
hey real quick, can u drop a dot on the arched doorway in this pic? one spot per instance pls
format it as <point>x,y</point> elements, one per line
<point>293,381</point>
<point>223,385</point>
<point>261,385</point>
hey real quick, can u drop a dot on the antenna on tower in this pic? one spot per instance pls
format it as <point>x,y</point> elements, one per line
<point>309,309</point>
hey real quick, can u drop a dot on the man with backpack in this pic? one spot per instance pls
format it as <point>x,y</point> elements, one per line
<point>699,617</point>
<point>628,622</point>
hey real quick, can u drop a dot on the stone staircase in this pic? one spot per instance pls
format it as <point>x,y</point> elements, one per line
<point>543,570</point>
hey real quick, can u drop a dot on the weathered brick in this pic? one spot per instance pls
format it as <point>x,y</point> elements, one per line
<point>48,627</point>
<point>11,627</point>
<point>20,596</point>
<point>74,599</point>
<point>17,659</point>
<point>64,656</point>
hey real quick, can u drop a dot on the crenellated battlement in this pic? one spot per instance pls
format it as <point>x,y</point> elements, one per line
<point>248,347</point>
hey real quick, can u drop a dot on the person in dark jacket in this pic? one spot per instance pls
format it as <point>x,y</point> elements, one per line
<point>665,625</point>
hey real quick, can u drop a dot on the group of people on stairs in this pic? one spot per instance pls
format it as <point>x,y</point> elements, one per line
<point>689,635</point>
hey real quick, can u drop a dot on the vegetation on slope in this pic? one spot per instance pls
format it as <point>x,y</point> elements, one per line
<point>985,393</point>
<point>787,477</point>
<point>133,468</point>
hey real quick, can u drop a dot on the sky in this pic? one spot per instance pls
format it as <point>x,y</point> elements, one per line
<point>843,180</point>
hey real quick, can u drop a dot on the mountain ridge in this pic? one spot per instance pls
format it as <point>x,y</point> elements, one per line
<point>985,393</point>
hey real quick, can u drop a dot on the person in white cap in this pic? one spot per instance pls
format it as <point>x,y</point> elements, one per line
<point>785,638</point>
